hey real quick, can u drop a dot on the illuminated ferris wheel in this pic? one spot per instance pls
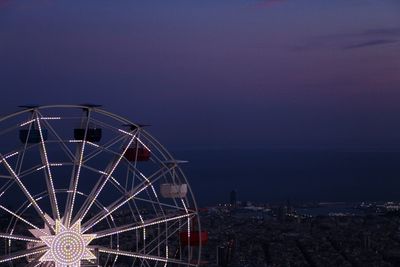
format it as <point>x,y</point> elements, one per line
<point>80,186</point>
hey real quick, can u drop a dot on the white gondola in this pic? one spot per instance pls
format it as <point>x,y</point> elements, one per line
<point>173,190</point>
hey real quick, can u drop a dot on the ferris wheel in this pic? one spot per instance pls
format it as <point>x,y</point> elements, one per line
<point>80,186</point>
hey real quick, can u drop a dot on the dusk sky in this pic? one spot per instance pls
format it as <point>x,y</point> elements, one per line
<point>237,73</point>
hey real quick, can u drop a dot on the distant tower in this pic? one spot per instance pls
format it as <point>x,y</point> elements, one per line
<point>282,212</point>
<point>289,207</point>
<point>233,198</point>
<point>222,255</point>
<point>367,240</point>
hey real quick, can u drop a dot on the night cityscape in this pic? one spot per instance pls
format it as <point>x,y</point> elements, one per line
<point>312,234</point>
<point>241,133</point>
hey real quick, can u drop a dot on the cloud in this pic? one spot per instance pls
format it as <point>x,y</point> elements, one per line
<point>351,40</point>
<point>382,32</point>
<point>375,42</point>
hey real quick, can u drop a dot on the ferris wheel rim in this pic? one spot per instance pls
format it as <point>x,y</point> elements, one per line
<point>161,148</point>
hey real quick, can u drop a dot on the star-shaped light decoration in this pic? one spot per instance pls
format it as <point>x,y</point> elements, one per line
<point>68,246</point>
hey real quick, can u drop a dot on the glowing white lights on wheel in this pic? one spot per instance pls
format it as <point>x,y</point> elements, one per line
<point>68,246</point>
<point>80,186</point>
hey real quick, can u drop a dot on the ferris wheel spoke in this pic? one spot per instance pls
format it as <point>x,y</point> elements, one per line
<point>80,150</point>
<point>35,262</point>
<point>20,218</point>
<point>102,182</point>
<point>135,226</point>
<point>26,192</point>
<point>149,140</point>
<point>176,207</point>
<point>108,211</point>
<point>72,187</point>
<point>30,170</point>
<point>114,181</point>
<point>66,149</point>
<point>150,183</point>
<point>23,253</point>
<point>19,237</point>
<point>104,147</point>
<point>13,128</point>
<point>159,243</point>
<point>142,256</point>
<point>133,170</point>
<point>124,199</point>
<point>67,212</point>
<point>21,156</point>
<point>48,174</point>
<point>9,183</point>
<point>6,186</point>
<point>143,262</point>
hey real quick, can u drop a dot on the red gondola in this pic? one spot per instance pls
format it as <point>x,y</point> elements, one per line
<point>194,239</point>
<point>137,154</point>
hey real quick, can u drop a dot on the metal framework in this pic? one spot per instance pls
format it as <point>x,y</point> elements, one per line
<point>70,195</point>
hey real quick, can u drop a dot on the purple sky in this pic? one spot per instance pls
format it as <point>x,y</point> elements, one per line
<point>221,73</point>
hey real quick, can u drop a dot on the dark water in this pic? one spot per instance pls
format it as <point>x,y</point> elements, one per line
<point>296,175</point>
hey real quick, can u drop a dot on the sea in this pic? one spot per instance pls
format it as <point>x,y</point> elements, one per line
<point>296,175</point>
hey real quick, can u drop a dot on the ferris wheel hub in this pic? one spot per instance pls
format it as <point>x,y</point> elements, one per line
<point>68,246</point>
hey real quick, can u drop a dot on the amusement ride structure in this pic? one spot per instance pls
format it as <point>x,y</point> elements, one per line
<point>80,186</point>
